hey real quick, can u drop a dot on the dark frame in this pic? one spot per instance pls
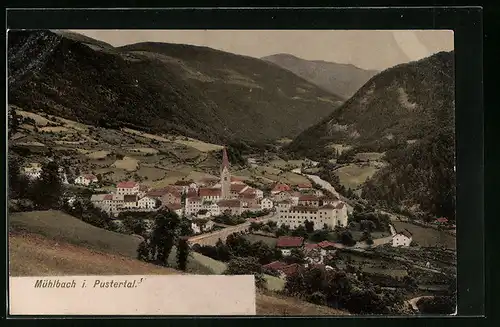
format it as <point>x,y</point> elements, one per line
<point>467,24</point>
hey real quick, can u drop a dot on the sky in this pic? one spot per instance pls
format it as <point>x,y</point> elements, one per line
<point>368,49</point>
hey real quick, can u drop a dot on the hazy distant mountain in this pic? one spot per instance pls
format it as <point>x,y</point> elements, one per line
<point>341,79</point>
<point>195,91</point>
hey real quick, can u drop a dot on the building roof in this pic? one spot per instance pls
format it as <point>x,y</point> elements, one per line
<point>126,185</point>
<point>340,205</point>
<point>249,191</point>
<point>275,265</point>
<point>162,191</point>
<point>229,203</point>
<point>130,198</point>
<point>144,188</point>
<point>109,197</point>
<point>289,241</point>
<point>303,208</point>
<point>247,196</point>
<point>405,232</point>
<point>442,220</point>
<point>280,187</point>
<point>308,197</point>
<point>236,179</point>
<point>328,206</point>
<point>290,269</point>
<point>91,177</point>
<point>191,192</point>
<point>209,192</point>
<point>326,244</point>
<point>209,180</point>
<point>194,199</point>
<point>97,197</point>
<point>305,185</point>
<point>225,160</point>
<point>238,187</point>
<point>310,246</point>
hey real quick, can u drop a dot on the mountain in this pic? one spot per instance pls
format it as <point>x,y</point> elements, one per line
<point>341,79</point>
<point>403,103</point>
<point>166,88</point>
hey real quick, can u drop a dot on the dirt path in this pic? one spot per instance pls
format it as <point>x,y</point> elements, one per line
<point>413,302</point>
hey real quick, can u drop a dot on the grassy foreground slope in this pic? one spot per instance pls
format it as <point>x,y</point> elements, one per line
<point>33,254</point>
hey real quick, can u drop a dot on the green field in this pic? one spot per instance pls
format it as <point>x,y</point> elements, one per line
<point>353,175</point>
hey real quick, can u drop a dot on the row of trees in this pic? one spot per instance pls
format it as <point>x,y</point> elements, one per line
<point>343,290</point>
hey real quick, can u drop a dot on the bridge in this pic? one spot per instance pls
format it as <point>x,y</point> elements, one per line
<point>212,238</point>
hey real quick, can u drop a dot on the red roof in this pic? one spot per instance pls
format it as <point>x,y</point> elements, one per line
<point>108,197</point>
<point>126,185</point>
<point>90,177</point>
<point>192,192</point>
<point>247,196</point>
<point>290,241</point>
<point>238,187</point>
<point>305,185</point>
<point>162,191</point>
<point>194,198</point>
<point>249,191</point>
<point>309,246</point>
<point>442,220</point>
<point>276,265</point>
<point>308,198</point>
<point>326,244</point>
<point>209,192</point>
<point>229,203</point>
<point>281,187</point>
<point>290,269</point>
<point>236,179</point>
<point>225,160</point>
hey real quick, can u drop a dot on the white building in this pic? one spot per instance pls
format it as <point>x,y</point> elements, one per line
<point>295,216</point>
<point>210,194</point>
<point>32,172</point>
<point>124,188</point>
<point>193,205</point>
<point>403,238</point>
<point>146,203</point>
<point>266,203</point>
<point>201,225</point>
<point>86,179</point>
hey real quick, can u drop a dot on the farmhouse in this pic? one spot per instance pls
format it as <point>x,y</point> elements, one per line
<point>283,269</point>
<point>147,202</point>
<point>184,186</point>
<point>123,188</point>
<point>86,179</point>
<point>403,238</point>
<point>286,243</point>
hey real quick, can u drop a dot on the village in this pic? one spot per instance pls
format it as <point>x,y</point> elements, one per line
<point>289,216</point>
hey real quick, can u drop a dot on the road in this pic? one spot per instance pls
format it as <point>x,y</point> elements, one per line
<point>212,238</point>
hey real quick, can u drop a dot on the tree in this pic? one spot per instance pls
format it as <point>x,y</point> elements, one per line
<point>135,225</point>
<point>296,256</point>
<point>347,239</point>
<point>246,266</point>
<point>182,253</point>
<point>300,231</point>
<point>14,121</point>
<point>222,251</point>
<point>48,189</point>
<point>262,252</point>
<point>18,183</point>
<point>165,233</point>
<point>309,226</point>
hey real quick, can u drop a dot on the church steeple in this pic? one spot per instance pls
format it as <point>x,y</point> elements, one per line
<point>225,176</point>
<point>225,160</point>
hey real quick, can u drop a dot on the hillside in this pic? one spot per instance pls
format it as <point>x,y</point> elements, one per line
<point>32,254</point>
<point>198,92</point>
<point>341,79</point>
<point>400,104</point>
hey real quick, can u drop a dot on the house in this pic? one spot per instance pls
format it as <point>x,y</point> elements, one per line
<point>237,189</point>
<point>167,195</point>
<point>86,179</point>
<point>403,238</point>
<point>329,200</point>
<point>193,205</point>
<point>304,187</point>
<point>209,194</point>
<point>442,220</point>
<point>295,216</point>
<point>266,204</point>
<point>202,225</point>
<point>147,203</point>
<point>231,207</point>
<point>33,171</point>
<point>184,186</point>
<point>249,200</point>
<point>279,187</point>
<point>287,243</point>
<point>124,188</point>
<point>130,201</point>
<point>309,201</point>
<point>175,207</point>
<point>283,269</point>
<point>282,196</point>
<point>191,192</point>
<point>110,203</point>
